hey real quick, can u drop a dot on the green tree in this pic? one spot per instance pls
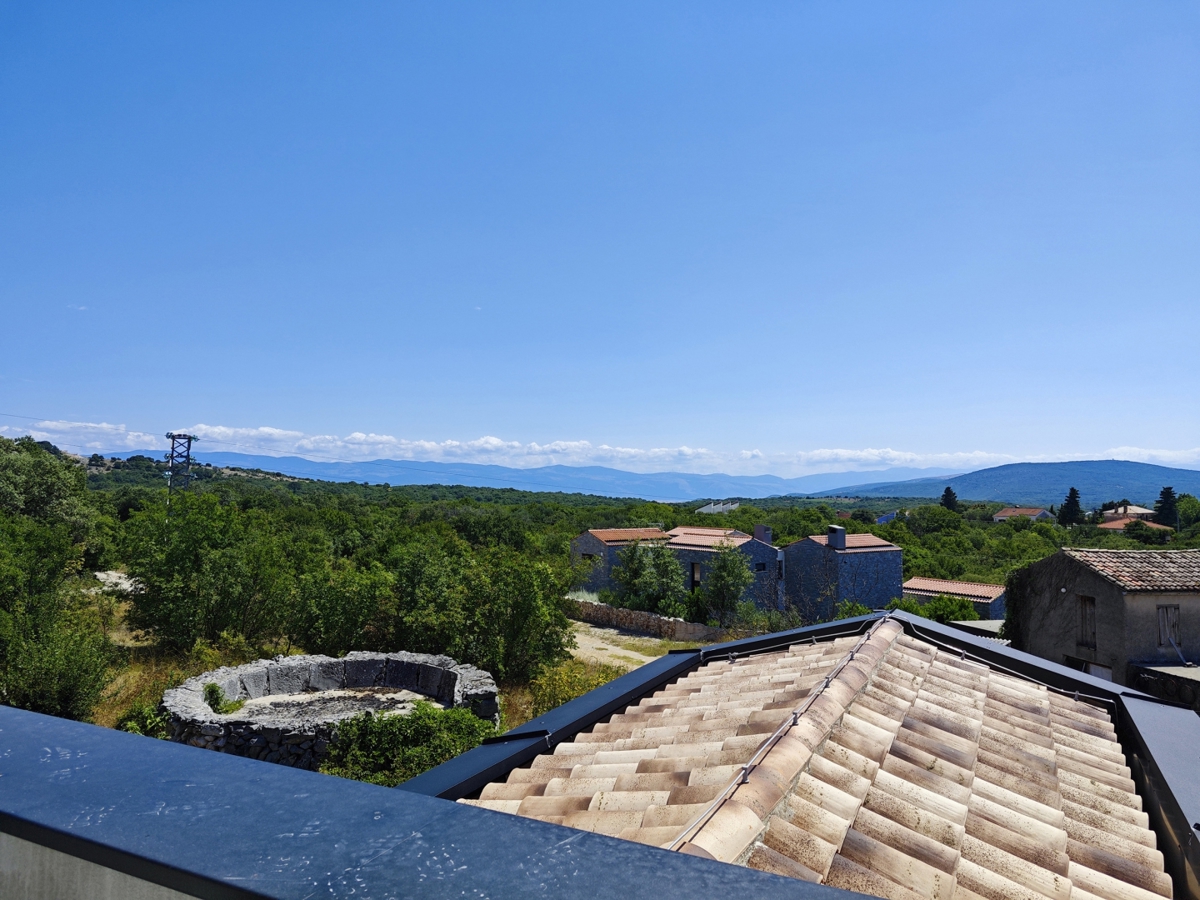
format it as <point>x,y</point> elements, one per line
<point>1189,510</point>
<point>728,577</point>
<point>650,577</point>
<point>949,499</point>
<point>1166,511</point>
<point>206,569</point>
<point>337,605</point>
<point>1071,512</point>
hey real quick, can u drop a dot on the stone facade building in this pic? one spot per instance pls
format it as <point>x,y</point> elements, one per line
<point>1108,612</point>
<point>823,570</point>
<point>695,548</point>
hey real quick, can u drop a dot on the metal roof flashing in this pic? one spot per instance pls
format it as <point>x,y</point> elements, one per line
<point>209,825</point>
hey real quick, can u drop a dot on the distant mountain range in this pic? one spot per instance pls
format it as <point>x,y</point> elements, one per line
<point>672,487</point>
<point>1040,484</point>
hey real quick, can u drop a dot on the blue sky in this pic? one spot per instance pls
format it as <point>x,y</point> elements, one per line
<point>715,237</point>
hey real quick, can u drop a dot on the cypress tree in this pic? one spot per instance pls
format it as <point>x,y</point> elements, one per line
<point>1070,513</point>
<point>950,499</point>
<point>1165,510</point>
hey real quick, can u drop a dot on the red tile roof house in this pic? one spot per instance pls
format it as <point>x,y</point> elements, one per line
<point>988,599</point>
<point>1030,512</point>
<point>823,570</point>
<point>694,547</point>
<point>1109,612</point>
<point>881,755</point>
<point>1120,523</point>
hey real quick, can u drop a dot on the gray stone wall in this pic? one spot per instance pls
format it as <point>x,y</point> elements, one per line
<point>1044,618</point>
<point>301,742</point>
<point>670,629</point>
<point>817,578</point>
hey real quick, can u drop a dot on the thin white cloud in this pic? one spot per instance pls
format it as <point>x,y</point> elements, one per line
<point>93,437</point>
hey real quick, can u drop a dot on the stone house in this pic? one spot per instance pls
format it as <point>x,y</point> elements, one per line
<point>601,545</point>
<point>695,548</point>
<point>988,599</point>
<point>1108,612</point>
<point>1035,513</point>
<point>823,570</point>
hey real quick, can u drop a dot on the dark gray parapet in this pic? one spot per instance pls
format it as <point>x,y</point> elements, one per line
<point>302,739</point>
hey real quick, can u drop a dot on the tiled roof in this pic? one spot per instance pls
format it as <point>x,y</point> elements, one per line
<point>1030,511</point>
<point>1119,524</point>
<point>954,588</point>
<point>621,536</point>
<point>689,537</point>
<point>857,542</point>
<point>1144,570</point>
<point>879,764</point>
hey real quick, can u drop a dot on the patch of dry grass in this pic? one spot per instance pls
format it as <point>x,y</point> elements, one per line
<point>655,646</point>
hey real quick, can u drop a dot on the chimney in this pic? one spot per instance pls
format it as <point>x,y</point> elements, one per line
<point>762,533</point>
<point>837,537</point>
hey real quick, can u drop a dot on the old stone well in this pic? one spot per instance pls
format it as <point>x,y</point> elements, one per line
<point>293,704</point>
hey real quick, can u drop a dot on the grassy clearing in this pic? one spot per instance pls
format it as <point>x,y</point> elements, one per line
<point>655,646</point>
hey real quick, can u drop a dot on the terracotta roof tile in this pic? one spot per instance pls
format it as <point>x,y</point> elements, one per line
<point>1144,570</point>
<point>619,537</point>
<point>694,538</point>
<point>968,589</point>
<point>908,772</point>
<point>857,542</point>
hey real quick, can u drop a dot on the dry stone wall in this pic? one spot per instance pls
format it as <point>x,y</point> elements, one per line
<point>302,741</point>
<point>670,629</point>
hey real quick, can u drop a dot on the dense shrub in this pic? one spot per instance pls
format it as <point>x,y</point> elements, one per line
<point>943,608</point>
<point>60,671</point>
<point>52,660</point>
<point>147,719</point>
<point>337,605</point>
<point>388,749</point>
<point>205,568</point>
<point>569,680</point>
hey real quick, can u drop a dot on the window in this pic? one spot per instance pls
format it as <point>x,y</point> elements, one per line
<point>760,567</point>
<point>1168,626</point>
<point>1087,622</point>
<point>695,575</point>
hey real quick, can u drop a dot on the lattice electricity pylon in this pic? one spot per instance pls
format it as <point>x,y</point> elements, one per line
<point>179,461</point>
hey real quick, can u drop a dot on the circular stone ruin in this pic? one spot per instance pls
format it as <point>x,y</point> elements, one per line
<point>293,704</point>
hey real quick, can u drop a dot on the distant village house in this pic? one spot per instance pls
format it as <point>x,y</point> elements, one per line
<point>988,599</point>
<point>1029,512</point>
<point>695,549</point>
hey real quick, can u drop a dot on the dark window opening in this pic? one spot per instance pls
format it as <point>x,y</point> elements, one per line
<point>760,567</point>
<point>695,575</point>
<point>1168,626</point>
<point>1087,622</point>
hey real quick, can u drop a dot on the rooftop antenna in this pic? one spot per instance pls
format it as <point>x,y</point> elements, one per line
<point>179,462</point>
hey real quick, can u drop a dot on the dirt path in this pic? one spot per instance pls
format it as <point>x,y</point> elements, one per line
<point>615,647</point>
